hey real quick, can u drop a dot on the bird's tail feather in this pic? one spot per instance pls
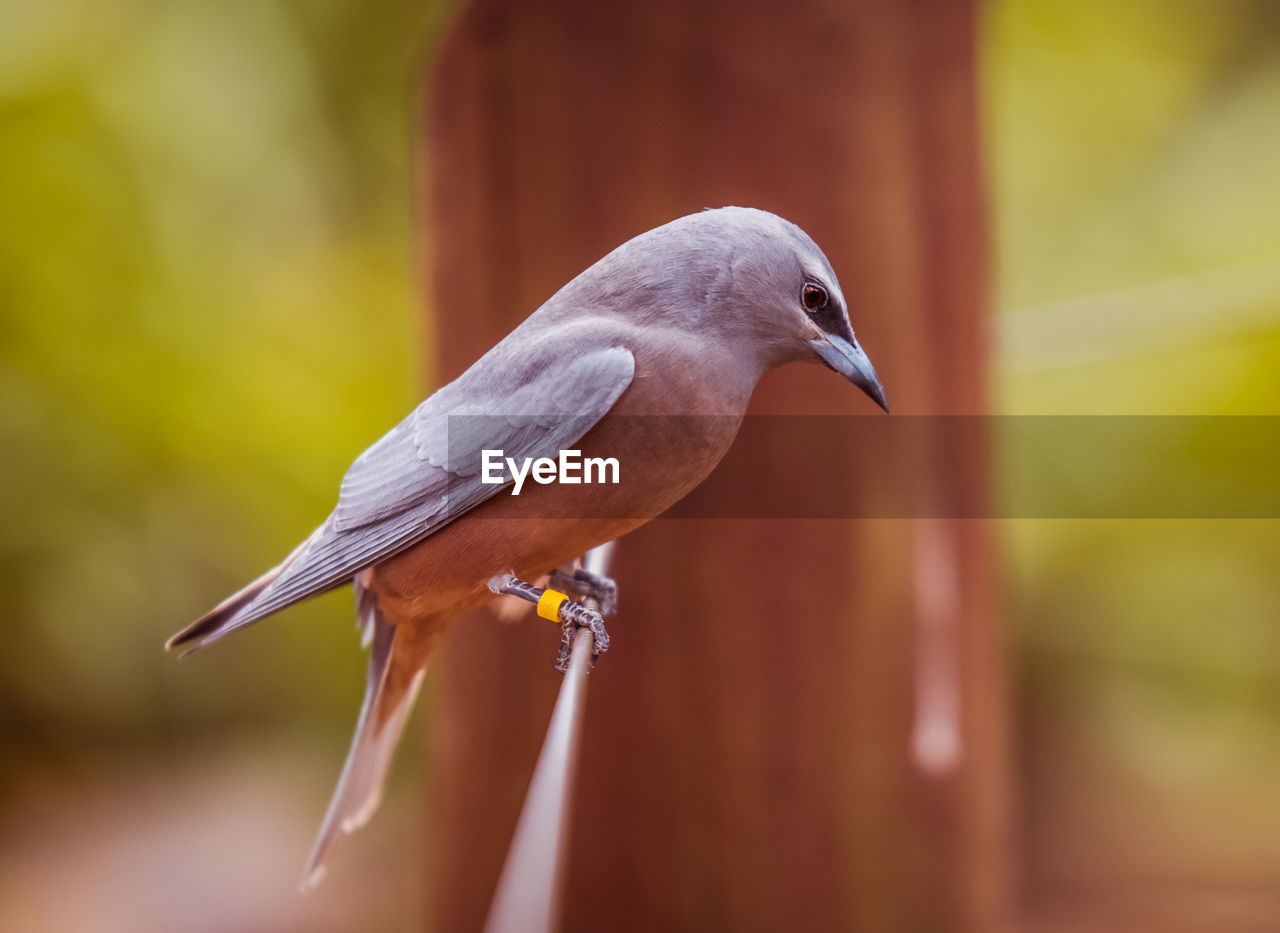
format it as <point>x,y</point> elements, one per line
<point>209,623</point>
<point>397,662</point>
<point>218,621</point>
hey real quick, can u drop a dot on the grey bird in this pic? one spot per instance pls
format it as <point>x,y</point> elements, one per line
<point>682,320</point>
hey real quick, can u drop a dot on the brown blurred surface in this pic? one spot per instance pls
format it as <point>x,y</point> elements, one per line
<point>210,840</point>
<point>747,760</point>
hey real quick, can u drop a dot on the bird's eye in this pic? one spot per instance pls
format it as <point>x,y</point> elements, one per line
<point>814,297</point>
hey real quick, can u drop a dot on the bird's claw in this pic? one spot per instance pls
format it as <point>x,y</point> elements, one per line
<point>575,617</point>
<point>588,585</point>
<point>554,604</point>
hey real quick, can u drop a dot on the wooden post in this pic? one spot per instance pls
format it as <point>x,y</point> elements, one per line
<point>745,767</point>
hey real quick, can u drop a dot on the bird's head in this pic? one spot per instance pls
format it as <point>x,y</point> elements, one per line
<point>741,279</point>
<point>788,298</point>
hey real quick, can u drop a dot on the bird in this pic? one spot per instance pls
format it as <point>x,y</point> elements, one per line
<point>681,320</point>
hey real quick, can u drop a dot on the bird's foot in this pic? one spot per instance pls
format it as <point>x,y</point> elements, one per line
<point>574,617</point>
<point>556,606</point>
<point>588,585</point>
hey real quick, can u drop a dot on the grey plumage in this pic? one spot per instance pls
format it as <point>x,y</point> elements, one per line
<point>359,787</point>
<point>402,488</point>
<point>681,320</point>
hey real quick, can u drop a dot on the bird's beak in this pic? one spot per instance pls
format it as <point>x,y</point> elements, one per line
<point>847,358</point>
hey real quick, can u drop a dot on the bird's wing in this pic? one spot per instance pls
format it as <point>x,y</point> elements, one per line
<point>426,471</point>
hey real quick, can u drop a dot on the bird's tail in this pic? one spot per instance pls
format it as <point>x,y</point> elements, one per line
<point>213,620</point>
<point>214,623</point>
<point>397,661</point>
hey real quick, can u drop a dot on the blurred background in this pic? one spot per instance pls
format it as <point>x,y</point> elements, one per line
<point>1138,272</point>
<point>211,301</point>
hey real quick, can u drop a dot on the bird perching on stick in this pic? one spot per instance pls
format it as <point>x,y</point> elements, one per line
<point>683,320</point>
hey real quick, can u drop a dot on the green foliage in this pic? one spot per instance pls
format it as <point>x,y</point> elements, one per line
<point>1135,194</point>
<point>209,306</point>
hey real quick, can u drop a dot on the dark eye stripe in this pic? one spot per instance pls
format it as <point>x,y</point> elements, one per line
<point>825,312</point>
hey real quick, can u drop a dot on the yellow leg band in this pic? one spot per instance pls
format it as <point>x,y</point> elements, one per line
<point>549,604</point>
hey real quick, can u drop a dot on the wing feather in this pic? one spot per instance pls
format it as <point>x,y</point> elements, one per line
<point>425,472</point>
